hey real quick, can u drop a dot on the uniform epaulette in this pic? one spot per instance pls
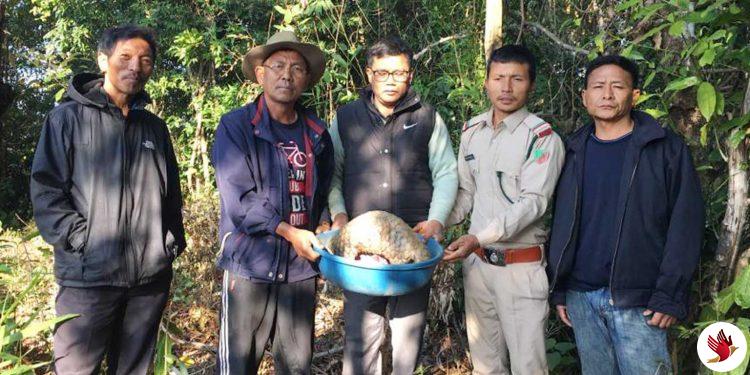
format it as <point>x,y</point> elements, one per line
<point>542,128</point>
<point>474,121</point>
<point>468,125</point>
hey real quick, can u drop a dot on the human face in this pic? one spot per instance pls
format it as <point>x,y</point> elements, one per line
<point>508,86</point>
<point>128,68</point>
<point>387,93</point>
<point>609,95</point>
<point>284,76</point>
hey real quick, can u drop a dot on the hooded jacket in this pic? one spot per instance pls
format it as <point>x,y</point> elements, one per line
<point>660,214</point>
<point>105,190</point>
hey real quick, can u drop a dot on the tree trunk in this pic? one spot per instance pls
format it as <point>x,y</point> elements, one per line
<point>735,216</point>
<point>6,90</point>
<point>194,177</point>
<point>493,27</point>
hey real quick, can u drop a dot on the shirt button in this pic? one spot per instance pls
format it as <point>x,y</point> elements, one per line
<point>385,185</point>
<point>270,274</point>
<point>281,276</point>
<point>386,151</point>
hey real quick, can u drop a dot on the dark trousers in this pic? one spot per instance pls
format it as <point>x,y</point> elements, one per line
<point>253,313</point>
<point>121,323</point>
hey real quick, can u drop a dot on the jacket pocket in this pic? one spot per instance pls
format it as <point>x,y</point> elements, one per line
<point>68,265</point>
<point>255,253</point>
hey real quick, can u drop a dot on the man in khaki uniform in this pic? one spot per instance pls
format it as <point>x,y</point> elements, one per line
<point>508,164</point>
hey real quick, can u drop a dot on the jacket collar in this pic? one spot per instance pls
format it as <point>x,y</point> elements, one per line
<point>645,130</point>
<point>261,120</point>
<point>410,99</point>
<point>87,89</point>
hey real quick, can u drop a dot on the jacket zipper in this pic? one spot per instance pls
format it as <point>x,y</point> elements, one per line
<point>572,227</point>
<point>619,232</point>
<point>282,190</point>
<point>130,276</point>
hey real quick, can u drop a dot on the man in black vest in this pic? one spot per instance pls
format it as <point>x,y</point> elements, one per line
<point>392,153</point>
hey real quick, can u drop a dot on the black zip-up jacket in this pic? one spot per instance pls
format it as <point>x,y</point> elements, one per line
<point>105,190</point>
<point>660,215</point>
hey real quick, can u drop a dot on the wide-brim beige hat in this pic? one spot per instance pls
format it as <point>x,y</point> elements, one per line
<point>282,40</point>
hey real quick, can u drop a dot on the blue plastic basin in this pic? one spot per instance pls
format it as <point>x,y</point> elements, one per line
<point>377,280</point>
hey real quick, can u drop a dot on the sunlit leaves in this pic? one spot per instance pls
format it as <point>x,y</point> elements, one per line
<point>706,100</point>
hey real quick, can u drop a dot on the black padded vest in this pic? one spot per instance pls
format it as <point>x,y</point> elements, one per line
<point>387,164</point>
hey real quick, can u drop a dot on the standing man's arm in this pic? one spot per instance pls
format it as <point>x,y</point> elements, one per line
<point>59,223</point>
<point>538,178</point>
<point>537,184</point>
<point>442,164</point>
<point>250,212</point>
<point>336,196</point>
<point>683,242</point>
<point>173,203</point>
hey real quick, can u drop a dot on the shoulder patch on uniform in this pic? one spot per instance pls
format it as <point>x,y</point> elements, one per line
<point>542,130</point>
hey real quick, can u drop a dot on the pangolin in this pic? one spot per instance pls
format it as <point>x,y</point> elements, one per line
<point>380,237</point>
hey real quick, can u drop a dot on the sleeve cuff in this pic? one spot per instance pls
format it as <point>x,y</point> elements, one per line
<point>273,223</point>
<point>557,297</point>
<point>486,237</point>
<point>660,303</point>
<point>336,209</point>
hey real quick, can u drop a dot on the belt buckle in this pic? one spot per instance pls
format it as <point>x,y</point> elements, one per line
<point>495,257</point>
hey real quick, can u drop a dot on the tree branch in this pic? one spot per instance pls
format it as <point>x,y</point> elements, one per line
<point>556,39</point>
<point>442,40</point>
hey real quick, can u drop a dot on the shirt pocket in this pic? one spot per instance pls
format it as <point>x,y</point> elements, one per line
<point>507,182</point>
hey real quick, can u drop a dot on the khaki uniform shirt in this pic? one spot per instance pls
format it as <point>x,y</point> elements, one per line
<point>507,175</point>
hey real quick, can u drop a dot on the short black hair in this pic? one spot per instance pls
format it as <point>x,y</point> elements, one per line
<point>111,36</point>
<point>389,46</point>
<point>513,53</point>
<point>623,62</point>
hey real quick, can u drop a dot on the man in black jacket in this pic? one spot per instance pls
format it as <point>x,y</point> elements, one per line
<point>106,195</point>
<point>627,229</point>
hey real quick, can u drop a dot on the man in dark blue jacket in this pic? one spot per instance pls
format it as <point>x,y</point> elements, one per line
<point>274,162</point>
<point>627,229</point>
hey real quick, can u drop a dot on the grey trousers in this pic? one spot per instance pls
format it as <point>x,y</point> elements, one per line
<point>120,322</point>
<point>506,315</point>
<point>253,313</point>
<point>364,328</point>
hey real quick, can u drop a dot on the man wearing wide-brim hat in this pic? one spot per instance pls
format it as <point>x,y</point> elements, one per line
<point>274,162</point>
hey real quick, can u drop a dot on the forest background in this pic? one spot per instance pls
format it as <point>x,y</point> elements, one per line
<point>694,56</point>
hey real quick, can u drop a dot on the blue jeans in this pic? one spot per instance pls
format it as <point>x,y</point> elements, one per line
<point>615,340</point>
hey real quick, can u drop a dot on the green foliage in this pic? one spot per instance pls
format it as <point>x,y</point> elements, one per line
<point>165,362</point>
<point>560,354</point>
<point>16,327</point>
